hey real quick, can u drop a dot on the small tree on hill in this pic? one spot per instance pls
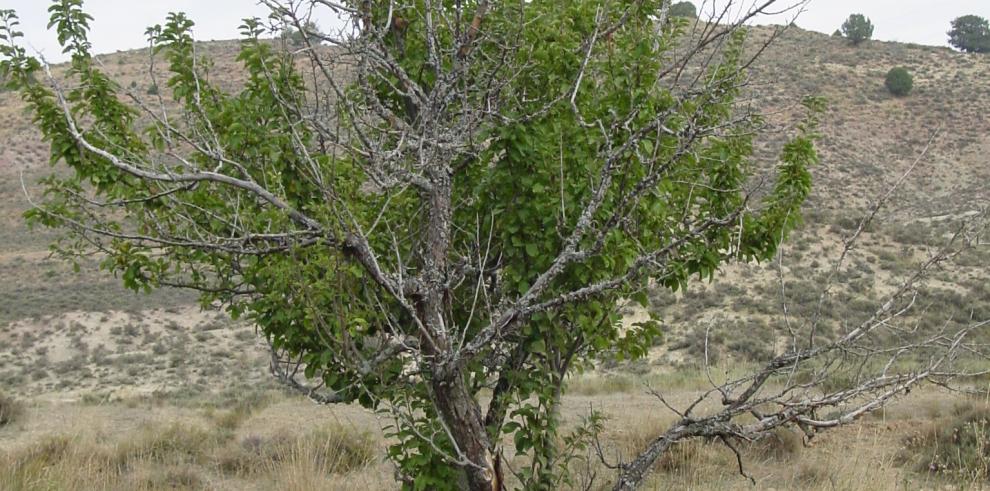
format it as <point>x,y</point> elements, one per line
<point>683,9</point>
<point>970,33</point>
<point>857,28</point>
<point>297,36</point>
<point>899,81</point>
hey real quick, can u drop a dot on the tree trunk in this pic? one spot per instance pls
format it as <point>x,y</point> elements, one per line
<point>462,417</point>
<point>457,407</point>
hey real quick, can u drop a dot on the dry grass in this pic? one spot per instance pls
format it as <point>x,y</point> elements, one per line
<point>270,442</point>
<point>188,456</point>
<point>863,456</point>
<point>685,378</point>
<point>849,460</point>
<point>10,409</point>
<point>956,446</point>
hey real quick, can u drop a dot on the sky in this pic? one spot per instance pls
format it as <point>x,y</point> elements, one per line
<point>120,24</point>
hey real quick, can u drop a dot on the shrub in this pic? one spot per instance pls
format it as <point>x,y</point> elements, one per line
<point>970,33</point>
<point>170,444</point>
<point>153,89</point>
<point>755,346</point>
<point>781,444</point>
<point>958,446</point>
<point>683,9</point>
<point>857,28</point>
<point>297,38</point>
<point>899,82</point>
<point>695,341</point>
<point>10,409</point>
<point>815,474</point>
<point>333,450</point>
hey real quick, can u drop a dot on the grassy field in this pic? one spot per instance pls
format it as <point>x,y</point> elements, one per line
<point>261,438</point>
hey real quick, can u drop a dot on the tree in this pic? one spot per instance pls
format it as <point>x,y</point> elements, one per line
<point>857,28</point>
<point>445,206</point>
<point>899,82</point>
<point>297,35</point>
<point>970,33</point>
<point>683,9</point>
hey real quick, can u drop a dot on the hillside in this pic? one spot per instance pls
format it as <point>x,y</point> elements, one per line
<point>78,337</point>
<point>870,138</point>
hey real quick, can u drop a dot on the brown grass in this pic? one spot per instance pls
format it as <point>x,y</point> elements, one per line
<point>288,443</point>
<point>10,409</point>
<point>956,446</point>
<point>188,456</point>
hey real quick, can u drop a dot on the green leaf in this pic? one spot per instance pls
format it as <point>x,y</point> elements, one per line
<point>532,250</point>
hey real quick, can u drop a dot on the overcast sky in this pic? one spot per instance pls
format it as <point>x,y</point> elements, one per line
<point>120,24</point>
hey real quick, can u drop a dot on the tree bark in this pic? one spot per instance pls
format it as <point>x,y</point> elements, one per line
<point>632,474</point>
<point>462,415</point>
<point>457,406</point>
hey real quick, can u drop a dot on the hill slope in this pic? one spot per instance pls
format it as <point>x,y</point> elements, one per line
<point>870,138</point>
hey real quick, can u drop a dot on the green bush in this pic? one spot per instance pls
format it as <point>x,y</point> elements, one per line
<point>683,9</point>
<point>297,38</point>
<point>970,33</point>
<point>695,341</point>
<point>899,82</point>
<point>857,28</point>
<point>153,89</point>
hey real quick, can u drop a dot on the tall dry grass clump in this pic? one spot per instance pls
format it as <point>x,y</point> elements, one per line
<point>188,456</point>
<point>332,450</point>
<point>311,461</point>
<point>956,447</point>
<point>10,409</point>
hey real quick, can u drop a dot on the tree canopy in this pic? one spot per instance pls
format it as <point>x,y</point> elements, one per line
<point>452,200</point>
<point>857,28</point>
<point>684,9</point>
<point>899,81</point>
<point>296,35</point>
<point>970,33</point>
<point>438,211</point>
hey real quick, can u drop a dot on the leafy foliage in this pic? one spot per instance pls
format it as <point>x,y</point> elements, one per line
<point>899,81</point>
<point>684,9</point>
<point>857,28</point>
<point>970,33</point>
<point>297,37</point>
<point>486,265</point>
